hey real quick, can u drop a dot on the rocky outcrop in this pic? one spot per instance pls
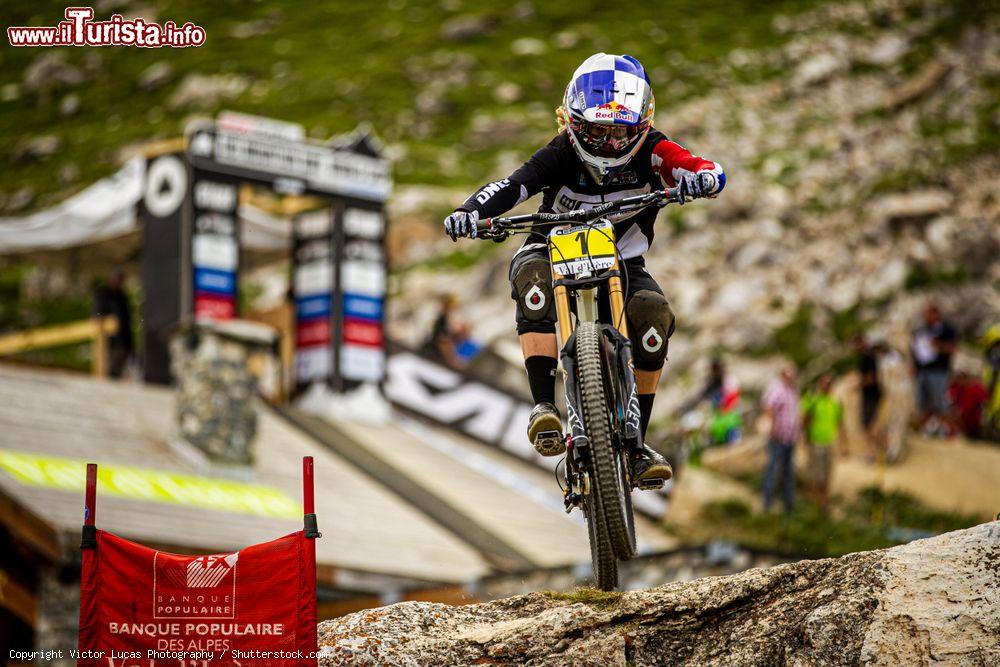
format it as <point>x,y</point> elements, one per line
<point>930,601</point>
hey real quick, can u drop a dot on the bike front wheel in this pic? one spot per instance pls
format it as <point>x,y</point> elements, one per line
<point>606,502</point>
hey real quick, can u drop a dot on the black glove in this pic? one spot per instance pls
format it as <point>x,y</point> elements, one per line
<point>461,223</point>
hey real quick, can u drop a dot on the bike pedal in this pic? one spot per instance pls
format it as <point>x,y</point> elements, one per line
<point>549,443</point>
<point>650,484</point>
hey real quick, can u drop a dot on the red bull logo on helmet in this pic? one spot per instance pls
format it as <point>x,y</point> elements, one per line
<point>616,111</point>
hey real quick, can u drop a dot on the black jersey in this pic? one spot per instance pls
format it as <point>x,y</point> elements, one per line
<point>557,172</point>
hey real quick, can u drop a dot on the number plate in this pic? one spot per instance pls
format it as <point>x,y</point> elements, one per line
<point>585,248</point>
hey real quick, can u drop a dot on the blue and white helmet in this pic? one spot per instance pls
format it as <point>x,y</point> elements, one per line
<point>609,107</point>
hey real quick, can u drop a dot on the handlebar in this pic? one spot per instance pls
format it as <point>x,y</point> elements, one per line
<point>500,228</point>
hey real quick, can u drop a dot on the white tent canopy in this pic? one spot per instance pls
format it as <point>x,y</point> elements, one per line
<point>107,210</point>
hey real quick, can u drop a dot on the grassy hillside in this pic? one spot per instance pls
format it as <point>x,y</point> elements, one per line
<point>426,74</point>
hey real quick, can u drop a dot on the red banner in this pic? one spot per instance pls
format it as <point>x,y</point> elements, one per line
<point>145,608</point>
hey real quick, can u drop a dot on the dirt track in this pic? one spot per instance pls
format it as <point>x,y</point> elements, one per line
<point>948,475</point>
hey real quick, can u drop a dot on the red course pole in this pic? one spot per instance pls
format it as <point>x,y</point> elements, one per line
<point>90,509</point>
<point>308,499</point>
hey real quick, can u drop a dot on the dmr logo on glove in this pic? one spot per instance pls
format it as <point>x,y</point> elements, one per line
<point>202,587</point>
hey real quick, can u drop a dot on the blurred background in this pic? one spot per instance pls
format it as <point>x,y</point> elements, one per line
<point>851,262</point>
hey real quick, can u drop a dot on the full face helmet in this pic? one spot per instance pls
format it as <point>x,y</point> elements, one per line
<point>609,109</point>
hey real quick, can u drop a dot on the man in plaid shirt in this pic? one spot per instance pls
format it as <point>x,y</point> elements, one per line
<point>781,405</point>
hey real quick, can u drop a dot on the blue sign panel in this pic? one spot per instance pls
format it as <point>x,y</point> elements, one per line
<point>317,305</point>
<point>364,307</point>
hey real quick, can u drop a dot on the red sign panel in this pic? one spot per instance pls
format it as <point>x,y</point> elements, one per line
<point>362,332</point>
<point>208,306</point>
<point>250,608</point>
<point>312,333</point>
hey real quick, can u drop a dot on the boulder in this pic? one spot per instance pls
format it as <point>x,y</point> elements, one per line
<point>912,207</point>
<point>206,91</point>
<point>467,27</point>
<point>156,76</point>
<point>934,600</point>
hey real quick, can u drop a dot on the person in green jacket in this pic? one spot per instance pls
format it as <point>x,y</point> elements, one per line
<point>822,417</point>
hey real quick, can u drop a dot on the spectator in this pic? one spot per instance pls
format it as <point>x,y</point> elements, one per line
<point>871,390</point>
<point>894,420</point>
<point>932,348</point>
<point>447,335</point>
<point>781,406</point>
<point>722,392</point>
<point>822,416</point>
<point>110,299</point>
<point>968,398</point>
<point>991,377</point>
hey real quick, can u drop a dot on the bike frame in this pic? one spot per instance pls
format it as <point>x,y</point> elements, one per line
<point>585,289</point>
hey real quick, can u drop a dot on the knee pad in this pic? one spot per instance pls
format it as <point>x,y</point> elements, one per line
<point>531,287</point>
<point>651,323</point>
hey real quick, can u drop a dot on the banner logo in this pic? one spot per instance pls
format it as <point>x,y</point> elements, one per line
<point>209,571</point>
<point>195,587</point>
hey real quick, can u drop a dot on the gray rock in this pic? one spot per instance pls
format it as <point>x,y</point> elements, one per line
<point>468,26</point>
<point>21,199</point>
<point>37,148</point>
<point>69,173</point>
<point>507,92</point>
<point>70,105</point>
<point>817,69</point>
<point>864,608</point>
<point>911,207</point>
<point>156,76</point>
<point>206,91</point>
<point>50,72</point>
<point>886,50</point>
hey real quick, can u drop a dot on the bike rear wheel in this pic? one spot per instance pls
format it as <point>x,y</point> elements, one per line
<point>602,555</point>
<point>606,501</point>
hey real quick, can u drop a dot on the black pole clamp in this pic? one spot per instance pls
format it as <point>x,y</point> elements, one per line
<point>311,526</point>
<point>89,540</point>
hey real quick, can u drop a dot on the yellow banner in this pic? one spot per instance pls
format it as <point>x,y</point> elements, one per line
<point>152,485</point>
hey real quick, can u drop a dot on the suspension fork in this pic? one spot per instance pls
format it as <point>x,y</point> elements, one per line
<point>563,320</point>
<point>617,299</point>
<point>623,357</point>
<point>623,353</point>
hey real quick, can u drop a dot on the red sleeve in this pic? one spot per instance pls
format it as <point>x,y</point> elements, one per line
<point>673,160</point>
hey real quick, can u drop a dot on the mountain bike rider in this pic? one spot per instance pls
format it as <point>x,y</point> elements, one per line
<point>607,149</point>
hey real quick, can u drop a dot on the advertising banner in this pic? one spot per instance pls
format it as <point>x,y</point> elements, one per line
<point>256,606</point>
<point>142,607</point>
<point>362,294</point>
<point>166,196</point>
<point>215,248</point>
<point>312,288</point>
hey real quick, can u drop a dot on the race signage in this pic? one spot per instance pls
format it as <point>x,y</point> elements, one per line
<point>321,168</point>
<point>312,289</point>
<point>162,210</point>
<point>485,413</point>
<point>215,248</point>
<point>140,606</point>
<point>362,295</point>
<point>255,607</point>
<point>192,253</point>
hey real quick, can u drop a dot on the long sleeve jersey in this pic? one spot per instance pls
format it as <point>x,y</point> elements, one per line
<point>557,172</point>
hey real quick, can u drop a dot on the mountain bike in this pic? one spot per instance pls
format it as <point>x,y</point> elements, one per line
<point>602,406</point>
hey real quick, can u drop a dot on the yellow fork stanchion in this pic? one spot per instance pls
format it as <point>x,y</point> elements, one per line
<point>617,303</point>
<point>562,310</point>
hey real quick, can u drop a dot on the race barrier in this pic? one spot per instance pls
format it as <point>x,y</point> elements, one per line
<point>250,608</point>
